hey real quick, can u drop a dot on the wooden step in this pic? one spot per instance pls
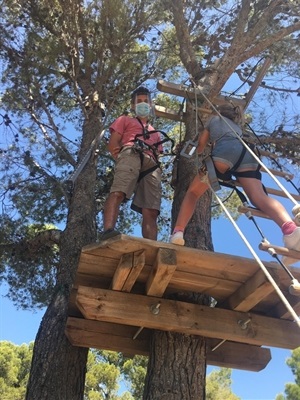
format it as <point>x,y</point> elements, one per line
<point>275,192</point>
<point>253,211</point>
<point>283,251</point>
<point>278,173</point>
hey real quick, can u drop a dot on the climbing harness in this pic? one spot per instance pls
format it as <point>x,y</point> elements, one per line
<point>140,146</point>
<point>296,208</point>
<point>294,287</point>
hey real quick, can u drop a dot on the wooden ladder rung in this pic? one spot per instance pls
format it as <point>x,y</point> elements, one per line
<point>279,173</point>
<point>283,251</point>
<point>254,211</point>
<point>276,192</point>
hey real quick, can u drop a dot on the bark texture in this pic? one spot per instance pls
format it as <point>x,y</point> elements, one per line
<point>177,362</point>
<point>58,368</point>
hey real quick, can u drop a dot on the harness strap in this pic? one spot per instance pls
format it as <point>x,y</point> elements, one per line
<point>148,171</point>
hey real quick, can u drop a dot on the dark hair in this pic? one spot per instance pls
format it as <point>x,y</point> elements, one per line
<point>230,111</point>
<point>140,90</point>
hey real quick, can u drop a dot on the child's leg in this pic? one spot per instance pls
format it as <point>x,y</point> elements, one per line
<point>270,206</point>
<point>196,189</point>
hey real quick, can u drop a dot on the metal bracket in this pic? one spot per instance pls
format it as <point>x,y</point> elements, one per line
<point>189,149</point>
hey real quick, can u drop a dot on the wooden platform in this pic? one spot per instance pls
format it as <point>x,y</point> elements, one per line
<point>117,300</point>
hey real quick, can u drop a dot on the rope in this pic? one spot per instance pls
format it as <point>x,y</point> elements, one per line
<point>264,269</point>
<point>250,151</point>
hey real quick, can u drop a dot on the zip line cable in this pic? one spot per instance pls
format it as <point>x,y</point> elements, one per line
<point>264,269</point>
<point>272,251</point>
<point>296,208</point>
<point>279,166</point>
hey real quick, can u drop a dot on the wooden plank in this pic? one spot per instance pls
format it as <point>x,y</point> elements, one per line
<point>237,355</point>
<point>191,319</point>
<point>275,192</point>
<point>103,335</point>
<point>216,274</point>
<point>251,293</point>
<point>188,92</point>
<point>253,211</point>
<point>260,76</point>
<point>280,250</point>
<point>276,172</point>
<point>128,270</point>
<point>162,272</point>
<point>280,310</point>
<point>268,154</point>
<point>163,112</point>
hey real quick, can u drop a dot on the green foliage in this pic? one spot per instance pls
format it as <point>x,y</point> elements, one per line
<point>106,371</point>
<point>292,390</point>
<point>14,370</point>
<point>218,385</point>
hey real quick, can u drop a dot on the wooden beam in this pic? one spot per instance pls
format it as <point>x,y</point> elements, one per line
<point>237,355</point>
<point>164,112</point>
<point>191,319</point>
<point>115,337</point>
<point>128,270</point>
<point>260,76</point>
<point>189,93</point>
<point>162,272</point>
<point>167,113</point>
<point>250,294</point>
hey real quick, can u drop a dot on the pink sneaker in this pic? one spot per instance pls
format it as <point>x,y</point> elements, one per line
<point>291,242</point>
<point>177,238</point>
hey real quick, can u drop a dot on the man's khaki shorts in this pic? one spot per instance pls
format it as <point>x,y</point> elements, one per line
<point>147,192</point>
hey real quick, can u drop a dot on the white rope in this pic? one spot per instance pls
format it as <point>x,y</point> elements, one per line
<point>266,272</point>
<point>250,150</point>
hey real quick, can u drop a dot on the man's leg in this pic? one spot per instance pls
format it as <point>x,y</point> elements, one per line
<point>149,223</point>
<point>111,209</point>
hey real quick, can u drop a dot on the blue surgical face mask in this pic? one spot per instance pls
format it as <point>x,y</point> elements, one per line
<point>142,109</point>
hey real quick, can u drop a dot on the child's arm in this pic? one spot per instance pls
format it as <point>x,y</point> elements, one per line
<point>203,140</point>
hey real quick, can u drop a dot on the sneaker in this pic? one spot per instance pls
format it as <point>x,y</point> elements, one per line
<point>109,233</point>
<point>177,238</point>
<point>291,242</point>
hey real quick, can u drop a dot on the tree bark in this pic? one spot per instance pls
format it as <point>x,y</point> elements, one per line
<point>177,362</point>
<point>58,368</point>
<point>178,367</point>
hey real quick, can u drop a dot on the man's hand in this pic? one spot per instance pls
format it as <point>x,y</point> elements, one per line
<point>115,151</point>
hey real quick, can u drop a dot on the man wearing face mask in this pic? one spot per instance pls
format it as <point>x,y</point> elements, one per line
<point>135,145</point>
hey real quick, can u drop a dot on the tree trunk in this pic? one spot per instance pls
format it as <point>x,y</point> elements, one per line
<point>177,362</point>
<point>58,368</point>
<point>177,365</point>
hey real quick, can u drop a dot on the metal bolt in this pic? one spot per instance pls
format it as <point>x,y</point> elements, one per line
<point>155,308</point>
<point>244,324</point>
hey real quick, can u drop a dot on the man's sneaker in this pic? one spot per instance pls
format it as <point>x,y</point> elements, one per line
<point>109,233</point>
<point>291,242</point>
<point>177,238</point>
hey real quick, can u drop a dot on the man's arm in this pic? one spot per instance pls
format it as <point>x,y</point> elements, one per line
<point>115,143</point>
